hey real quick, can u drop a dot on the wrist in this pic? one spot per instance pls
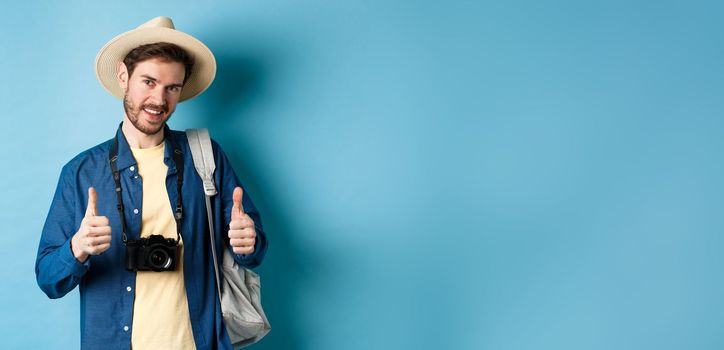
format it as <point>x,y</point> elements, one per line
<point>79,255</point>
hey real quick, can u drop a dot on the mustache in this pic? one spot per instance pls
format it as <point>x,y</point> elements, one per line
<point>163,108</point>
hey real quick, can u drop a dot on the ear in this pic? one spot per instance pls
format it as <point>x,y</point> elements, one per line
<point>122,76</point>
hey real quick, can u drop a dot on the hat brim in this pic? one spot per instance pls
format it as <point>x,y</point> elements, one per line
<point>117,48</point>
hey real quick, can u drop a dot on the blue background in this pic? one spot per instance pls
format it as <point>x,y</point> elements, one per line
<point>432,175</point>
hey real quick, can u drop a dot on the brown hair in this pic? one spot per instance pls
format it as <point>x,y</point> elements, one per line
<point>166,52</point>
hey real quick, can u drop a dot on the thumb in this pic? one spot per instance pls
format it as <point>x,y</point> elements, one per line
<point>237,210</point>
<point>92,199</point>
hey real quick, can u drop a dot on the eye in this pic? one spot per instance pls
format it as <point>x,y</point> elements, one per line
<point>147,82</point>
<point>174,88</point>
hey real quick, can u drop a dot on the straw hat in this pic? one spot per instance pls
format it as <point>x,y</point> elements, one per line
<point>159,29</point>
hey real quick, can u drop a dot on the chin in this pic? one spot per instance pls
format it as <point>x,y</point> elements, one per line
<point>154,129</point>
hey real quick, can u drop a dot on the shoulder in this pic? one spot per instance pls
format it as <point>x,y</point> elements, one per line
<point>180,137</point>
<point>90,160</point>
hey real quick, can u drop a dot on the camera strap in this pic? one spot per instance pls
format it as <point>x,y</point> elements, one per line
<point>178,160</point>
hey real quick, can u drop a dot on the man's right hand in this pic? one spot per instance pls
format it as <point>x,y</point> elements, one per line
<point>94,235</point>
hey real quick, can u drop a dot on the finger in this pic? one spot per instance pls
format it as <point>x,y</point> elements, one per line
<point>92,199</point>
<point>242,242</point>
<point>243,250</point>
<point>235,234</point>
<point>237,210</point>
<point>99,249</point>
<point>245,233</point>
<point>99,231</point>
<point>97,221</point>
<point>97,240</point>
<point>248,233</point>
<point>244,222</point>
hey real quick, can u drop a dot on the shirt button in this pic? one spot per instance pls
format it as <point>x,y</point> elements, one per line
<point>132,168</point>
<point>129,288</point>
<point>135,211</point>
<point>125,328</point>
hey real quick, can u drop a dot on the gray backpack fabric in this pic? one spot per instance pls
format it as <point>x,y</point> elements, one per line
<point>240,289</point>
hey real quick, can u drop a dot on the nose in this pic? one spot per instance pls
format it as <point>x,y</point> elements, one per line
<point>158,95</point>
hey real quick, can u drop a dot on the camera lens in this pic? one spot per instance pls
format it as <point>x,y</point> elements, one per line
<point>158,259</point>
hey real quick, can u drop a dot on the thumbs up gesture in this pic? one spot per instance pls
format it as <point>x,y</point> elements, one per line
<point>242,233</point>
<point>94,235</point>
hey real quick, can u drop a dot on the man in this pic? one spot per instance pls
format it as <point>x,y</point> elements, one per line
<point>116,200</point>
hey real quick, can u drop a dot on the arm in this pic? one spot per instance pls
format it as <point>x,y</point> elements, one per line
<point>228,181</point>
<point>56,269</point>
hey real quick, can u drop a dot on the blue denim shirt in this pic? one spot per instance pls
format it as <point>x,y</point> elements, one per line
<point>106,287</point>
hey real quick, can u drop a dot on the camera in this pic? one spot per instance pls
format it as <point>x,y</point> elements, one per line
<point>155,253</point>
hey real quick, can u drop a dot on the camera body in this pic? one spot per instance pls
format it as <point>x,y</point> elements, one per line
<point>155,253</point>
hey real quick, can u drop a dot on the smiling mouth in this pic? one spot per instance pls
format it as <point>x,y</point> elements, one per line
<point>153,111</point>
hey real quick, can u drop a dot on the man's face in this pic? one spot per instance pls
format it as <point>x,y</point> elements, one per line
<point>151,93</point>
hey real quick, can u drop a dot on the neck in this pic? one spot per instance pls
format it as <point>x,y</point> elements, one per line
<point>138,139</point>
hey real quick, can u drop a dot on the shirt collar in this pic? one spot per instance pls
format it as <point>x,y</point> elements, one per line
<point>125,156</point>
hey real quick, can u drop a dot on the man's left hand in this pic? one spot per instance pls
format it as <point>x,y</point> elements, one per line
<point>242,233</point>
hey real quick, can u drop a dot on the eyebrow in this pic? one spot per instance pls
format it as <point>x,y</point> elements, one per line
<point>156,80</point>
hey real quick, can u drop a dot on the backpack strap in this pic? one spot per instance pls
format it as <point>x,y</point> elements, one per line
<point>203,155</point>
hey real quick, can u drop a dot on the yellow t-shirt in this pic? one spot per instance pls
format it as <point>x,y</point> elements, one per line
<point>160,309</point>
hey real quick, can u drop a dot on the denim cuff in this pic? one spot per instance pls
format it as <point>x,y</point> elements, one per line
<point>75,267</point>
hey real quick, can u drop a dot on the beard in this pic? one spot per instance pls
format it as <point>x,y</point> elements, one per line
<point>145,126</point>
